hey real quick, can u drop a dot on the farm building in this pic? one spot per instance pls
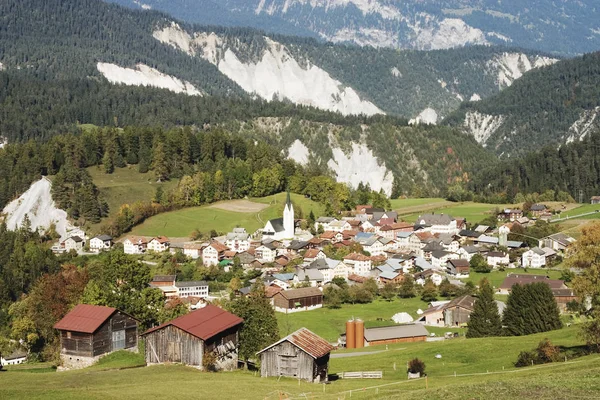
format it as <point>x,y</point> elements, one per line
<point>395,334</point>
<point>188,338</point>
<point>302,355</point>
<point>88,332</point>
<point>295,300</point>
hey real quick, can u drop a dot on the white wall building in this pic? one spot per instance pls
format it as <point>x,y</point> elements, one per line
<point>159,244</point>
<point>101,243</point>
<point>534,258</point>
<point>135,245</point>
<point>195,289</point>
<point>438,223</point>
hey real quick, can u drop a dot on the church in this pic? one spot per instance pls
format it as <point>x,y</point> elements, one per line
<point>281,228</point>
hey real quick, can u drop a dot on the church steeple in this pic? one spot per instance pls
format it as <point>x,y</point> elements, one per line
<point>288,217</point>
<point>288,201</point>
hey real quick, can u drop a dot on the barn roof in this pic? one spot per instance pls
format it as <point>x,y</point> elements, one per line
<point>85,318</point>
<point>301,293</point>
<point>395,332</point>
<point>203,323</point>
<point>312,344</point>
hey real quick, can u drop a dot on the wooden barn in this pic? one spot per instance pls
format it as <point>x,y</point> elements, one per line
<point>88,332</point>
<point>302,355</point>
<point>186,339</point>
<point>294,300</point>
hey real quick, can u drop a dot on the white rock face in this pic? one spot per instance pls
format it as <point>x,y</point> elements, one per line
<point>451,32</point>
<point>365,37</point>
<point>587,122</point>
<point>38,205</point>
<point>276,75</point>
<point>396,72</point>
<point>365,6</point>
<point>143,75</point>
<point>482,126</point>
<point>3,142</point>
<point>298,152</point>
<point>475,97</point>
<point>512,66</point>
<point>361,166</point>
<point>1,67</point>
<point>427,116</point>
<point>499,36</point>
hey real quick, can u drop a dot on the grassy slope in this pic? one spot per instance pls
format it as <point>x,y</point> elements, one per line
<point>183,222</point>
<point>465,357</point>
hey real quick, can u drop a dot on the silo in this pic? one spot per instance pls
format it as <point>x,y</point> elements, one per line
<point>359,334</point>
<point>350,334</point>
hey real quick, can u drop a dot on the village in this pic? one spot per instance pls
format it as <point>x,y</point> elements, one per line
<point>302,271</point>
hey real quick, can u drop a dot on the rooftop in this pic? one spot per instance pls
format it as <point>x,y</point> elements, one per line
<point>85,318</point>
<point>307,341</point>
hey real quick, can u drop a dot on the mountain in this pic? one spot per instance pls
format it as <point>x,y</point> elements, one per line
<point>553,106</point>
<point>561,27</point>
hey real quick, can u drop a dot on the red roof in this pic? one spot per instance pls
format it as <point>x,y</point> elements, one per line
<point>305,340</point>
<point>85,318</point>
<point>203,323</point>
<point>311,253</point>
<point>161,239</point>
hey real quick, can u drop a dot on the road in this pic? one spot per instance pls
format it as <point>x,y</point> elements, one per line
<point>574,216</point>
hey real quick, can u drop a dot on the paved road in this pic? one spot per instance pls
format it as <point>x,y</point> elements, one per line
<point>574,216</point>
<point>358,354</point>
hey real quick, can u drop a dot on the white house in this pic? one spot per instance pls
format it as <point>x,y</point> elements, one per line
<point>339,226</point>
<point>358,264</point>
<point>408,242</point>
<point>324,222</point>
<point>159,244</point>
<point>467,252</point>
<point>73,243</point>
<point>534,258</point>
<point>438,223</point>
<point>16,357</point>
<point>238,240</point>
<point>213,253</point>
<point>311,275</point>
<point>101,243</point>
<point>266,252</point>
<point>193,250</point>
<point>439,259</point>
<point>495,258</point>
<point>135,245</point>
<point>282,228</point>
<point>195,289</point>
<point>370,243</point>
<point>313,254</point>
<point>330,268</point>
<point>436,277</point>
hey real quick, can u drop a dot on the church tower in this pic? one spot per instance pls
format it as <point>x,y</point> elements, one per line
<point>503,237</point>
<point>288,218</point>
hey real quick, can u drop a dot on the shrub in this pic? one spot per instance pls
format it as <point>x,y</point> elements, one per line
<point>547,352</point>
<point>416,366</point>
<point>525,359</point>
<point>209,361</point>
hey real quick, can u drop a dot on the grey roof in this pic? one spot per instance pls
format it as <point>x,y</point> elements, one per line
<point>395,263</point>
<point>433,246</point>
<point>538,251</point>
<point>439,254</point>
<point>191,283</point>
<point>269,245</point>
<point>238,234</point>
<point>561,238</point>
<point>488,239</point>
<point>403,235</point>
<point>471,249</point>
<point>104,238</point>
<point>297,244</point>
<point>435,219</point>
<point>284,277</point>
<point>395,332</point>
<point>15,354</point>
<point>245,257</point>
<point>325,220</point>
<point>389,274</point>
<point>538,207</point>
<point>77,239</point>
<point>496,254</point>
<point>482,228</point>
<point>469,233</point>
<point>420,262</point>
<point>277,224</point>
<point>164,278</point>
<point>514,244</point>
<point>459,263</point>
<point>313,274</point>
<point>385,267</point>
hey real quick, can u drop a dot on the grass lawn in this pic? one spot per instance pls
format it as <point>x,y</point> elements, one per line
<point>126,186</point>
<point>473,212</point>
<point>483,370</point>
<point>182,223</point>
<point>330,323</point>
<point>497,277</point>
<point>582,209</point>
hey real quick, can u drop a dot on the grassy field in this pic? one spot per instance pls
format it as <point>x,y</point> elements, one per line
<point>497,277</point>
<point>330,323</point>
<point>473,212</point>
<point>182,223</point>
<point>483,369</point>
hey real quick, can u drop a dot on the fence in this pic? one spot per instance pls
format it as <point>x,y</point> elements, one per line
<point>361,375</point>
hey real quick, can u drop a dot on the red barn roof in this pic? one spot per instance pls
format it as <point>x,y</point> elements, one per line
<point>305,340</point>
<point>203,323</point>
<point>85,318</point>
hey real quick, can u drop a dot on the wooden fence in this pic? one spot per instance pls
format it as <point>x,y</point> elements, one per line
<point>361,375</point>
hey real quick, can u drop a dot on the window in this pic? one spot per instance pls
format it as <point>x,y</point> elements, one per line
<point>118,338</point>
<point>68,335</point>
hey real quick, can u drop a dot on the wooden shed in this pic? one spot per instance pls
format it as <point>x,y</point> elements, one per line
<point>188,338</point>
<point>302,355</point>
<point>302,299</point>
<point>88,332</point>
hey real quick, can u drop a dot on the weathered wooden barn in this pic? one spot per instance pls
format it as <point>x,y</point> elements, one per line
<point>88,332</point>
<point>294,300</point>
<point>405,333</point>
<point>188,338</point>
<point>302,355</point>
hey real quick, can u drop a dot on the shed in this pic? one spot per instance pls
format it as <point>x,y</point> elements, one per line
<point>302,355</point>
<point>301,299</point>
<point>88,332</point>
<point>186,339</point>
<point>395,334</point>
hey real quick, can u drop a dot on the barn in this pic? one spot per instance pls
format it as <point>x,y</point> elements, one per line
<point>88,332</point>
<point>188,338</point>
<point>294,300</point>
<point>302,355</point>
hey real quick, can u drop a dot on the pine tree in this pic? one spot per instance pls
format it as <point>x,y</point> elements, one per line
<point>531,309</point>
<point>485,319</point>
<point>159,162</point>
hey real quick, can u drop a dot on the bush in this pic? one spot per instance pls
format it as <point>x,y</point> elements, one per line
<point>209,361</point>
<point>416,366</point>
<point>525,359</point>
<point>547,352</point>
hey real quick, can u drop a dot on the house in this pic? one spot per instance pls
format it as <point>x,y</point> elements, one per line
<point>73,243</point>
<point>537,210</point>
<point>101,243</point>
<point>238,240</point>
<point>294,300</point>
<point>192,289</point>
<point>166,283</point>
<point>524,279</point>
<point>313,254</point>
<point>510,214</point>
<point>496,258</point>
<point>440,258</point>
<point>458,311</point>
<point>193,250</point>
<point>558,242</point>
<point>395,277</point>
<point>324,222</point>
<point>89,332</point>
<point>438,223</point>
<point>434,315</point>
<point>534,258</point>
<point>135,245</point>
<point>421,277</point>
<point>14,358</point>
<point>595,200</point>
<point>296,246</point>
<point>301,355</point>
<point>266,252</point>
<point>188,338</point>
<point>282,228</point>
<point>339,226</point>
<point>159,244</point>
<point>370,243</point>
<point>213,253</point>
<point>405,333</point>
<point>313,276</point>
<point>467,252</point>
<point>330,268</point>
<point>563,297</point>
<point>458,267</point>
<point>359,264</point>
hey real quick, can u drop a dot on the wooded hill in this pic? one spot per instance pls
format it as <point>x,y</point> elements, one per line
<point>551,106</point>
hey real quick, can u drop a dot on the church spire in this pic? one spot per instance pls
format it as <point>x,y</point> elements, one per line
<point>288,201</point>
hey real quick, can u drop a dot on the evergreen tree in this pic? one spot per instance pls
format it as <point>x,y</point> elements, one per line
<point>485,319</point>
<point>407,287</point>
<point>159,162</point>
<point>531,309</point>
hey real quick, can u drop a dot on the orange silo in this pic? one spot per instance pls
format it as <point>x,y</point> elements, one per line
<point>359,334</point>
<point>350,334</point>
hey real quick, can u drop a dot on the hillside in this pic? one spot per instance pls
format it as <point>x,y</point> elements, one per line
<point>62,52</point>
<point>551,106</point>
<point>565,27</point>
